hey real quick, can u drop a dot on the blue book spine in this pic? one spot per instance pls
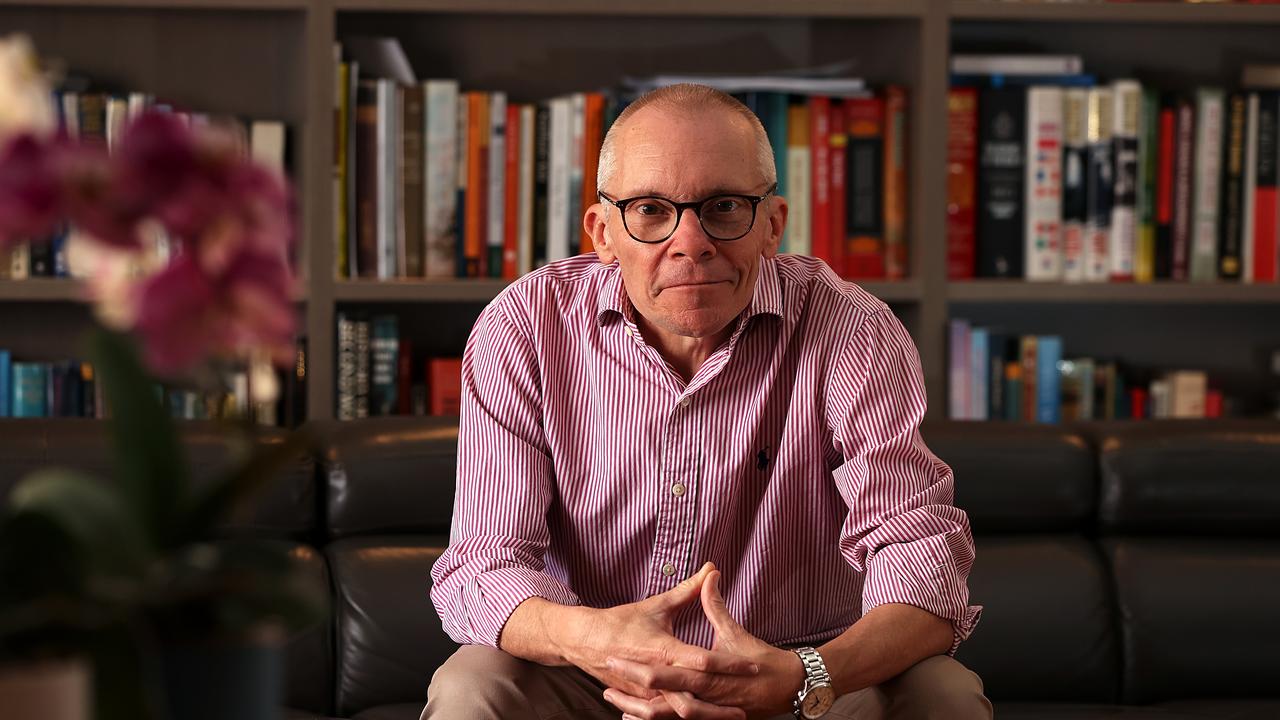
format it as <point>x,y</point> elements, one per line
<point>30,390</point>
<point>6,382</point>
<point>1049,379</point>
<point>773,107</point>
<point>978,358</point>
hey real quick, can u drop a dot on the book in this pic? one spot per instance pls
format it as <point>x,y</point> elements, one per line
<point>495,206</point>
<point>1207,180</point>
<point>798,236</point>
<point>6,375</point>
<point>1010,64</point>
<point>385,348</point>
<point>1266,208</point>
<point>440,170</point>
<point>560,157</point>
<point>1126,126</point>
<point>1100,186</point>
<point>820,176</point>
<point>895,182</point>
<point>1001,180</point>
<point>1166,154</point>
<point>1075,197</point>
<point>1048,380</point>
<point>444,381</point>
<point>979,355</point>
<point>1231,193</point>
<point>1043,186</point>
<point>29,385</point>
<point>1183,185</point>
<point>958,371</point>
<point>390,229</point>
<point>962,142</point>
<point>412,190</point>
<point>864,248</point>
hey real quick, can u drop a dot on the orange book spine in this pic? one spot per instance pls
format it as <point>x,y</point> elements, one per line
<point>895,183</point>
<point>474,241</point>
<point>592,137</point>
<point>511,217</point>
<point>864,194</point>
<point>444,377</point>
<point>820,175</point>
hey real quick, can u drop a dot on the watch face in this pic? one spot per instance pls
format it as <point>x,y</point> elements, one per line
<point>818,701</point>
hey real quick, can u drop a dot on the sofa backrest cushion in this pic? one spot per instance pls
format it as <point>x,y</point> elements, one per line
<point>391,474</point>
<point>1018,478</point>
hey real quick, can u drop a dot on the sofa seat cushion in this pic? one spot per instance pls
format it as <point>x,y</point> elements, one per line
<point>399,711</point>
<point>1072,711</point>
<point>1228,709</point>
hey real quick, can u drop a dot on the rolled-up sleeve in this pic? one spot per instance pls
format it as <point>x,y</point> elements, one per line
<point>505,484</point>
<point>903,530</point>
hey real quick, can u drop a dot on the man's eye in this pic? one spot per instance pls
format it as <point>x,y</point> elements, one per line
<point>649,209</point>
<point>726,205</point>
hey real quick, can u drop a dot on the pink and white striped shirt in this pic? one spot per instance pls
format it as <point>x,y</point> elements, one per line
<point>590,473</point>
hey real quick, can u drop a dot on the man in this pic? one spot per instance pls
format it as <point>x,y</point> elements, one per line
<point>690,479</point>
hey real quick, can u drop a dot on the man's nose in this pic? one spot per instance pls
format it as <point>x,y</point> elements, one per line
<point>689,239</point>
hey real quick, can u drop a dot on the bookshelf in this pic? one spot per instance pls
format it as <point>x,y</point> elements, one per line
<point>271,59</point>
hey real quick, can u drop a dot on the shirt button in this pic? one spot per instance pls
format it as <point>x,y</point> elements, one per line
<point>686,402</point>
<point>668,569</point>
<point>678,489</point>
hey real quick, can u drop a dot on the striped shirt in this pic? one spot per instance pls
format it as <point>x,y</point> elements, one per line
<point>590,472</point>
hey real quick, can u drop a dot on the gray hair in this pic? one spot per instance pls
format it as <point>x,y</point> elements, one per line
<point>686,97</point>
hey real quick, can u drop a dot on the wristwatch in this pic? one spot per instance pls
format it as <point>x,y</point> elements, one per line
<point>817,695</point>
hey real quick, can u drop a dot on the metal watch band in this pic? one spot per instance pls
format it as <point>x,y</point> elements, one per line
<point>815,674</point>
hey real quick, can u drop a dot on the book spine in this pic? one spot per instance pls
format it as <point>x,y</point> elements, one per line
<point>1250,191</point>
<point>1030,378</point>
<point>1144,263</point>
<point>1100,187</point>
<point>390,228</point>
<point>474,243</point>
<point>346,351</point>
<point>411,180</point>
<point>541,183</point>
<point>799,236</point>
<point>895,183</point>
<point>1042,204</point>
<point>30,390</point>
<point>511,193</point>
<point>995,362</point>
<point>776,120</point>
<point>1002,127</point>
<point>496,203</point>
<point>353,148</point>
<point>1075,196</point>
<point>1266,209</point>
<point>561,157</point>
<point>1183,172</point>
<point>1048,382</point>
<point>341,115</point>
<point>440,165</point>
<point>962,148</point>
<point>528,118</point>
<point>592,138</point>
<point>864,252</point>
<point>367,177</point>
<point>6,376</point>
<point>1231,192</point>
<point>979,353</point>
<point>577,138</point>
<point>1126,124</point>
<point>462,159</point>
<point>1208,176</point>
<point>1166,153</point>
<point>958,371</point>
<point>839,159</point>
<point>385,349</point>
<point>361,367</point>
<point>820,175</point>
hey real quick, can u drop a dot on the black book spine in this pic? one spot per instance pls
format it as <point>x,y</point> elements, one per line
<point>541,174</point>
<point>1002,139</point>
<point>1231,193</point>
<point>1184,150</point>
<point>1165,151</point>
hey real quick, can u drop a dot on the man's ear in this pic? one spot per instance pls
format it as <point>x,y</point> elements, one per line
<point>777,221</point>
<point>593,222</point>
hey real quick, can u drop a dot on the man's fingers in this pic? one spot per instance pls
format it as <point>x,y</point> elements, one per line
<point>669,706</point>
<point>685,592</point>
<point>663,677</point>
<point>712,661</point>
<point>632,706</point>
<point>714,608</point>
<point>691,708</point>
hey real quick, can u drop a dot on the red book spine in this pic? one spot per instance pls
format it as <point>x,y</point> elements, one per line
<point>1266,222</point>
<point>962,144</point>
<point>511,213</point>
<point>895,182</point>
<point>1137,403</point>
<point>1213,404</point>
<point>839,156</point>
<point>444,378</point>
<point>820,174</point>
<point>1164,194</point>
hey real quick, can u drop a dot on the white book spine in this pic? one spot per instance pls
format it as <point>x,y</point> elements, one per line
<point>1250,187</point>
<point>558,179</point>
<point>800,198</point>
<point>387,180</point>
<point>1097,243</point>
<point>461,164</point>
<point>524,227</point>
<point>1207,180</point>
<point>1127,120</point>
<point>267,144</point>
<point>1043,185</point>
<point>71,113</point>
<point>497,202</point>
<point>1075,112</point>
<point>440,184</point>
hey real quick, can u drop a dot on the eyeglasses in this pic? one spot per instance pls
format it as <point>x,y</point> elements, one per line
<point>651,219</point>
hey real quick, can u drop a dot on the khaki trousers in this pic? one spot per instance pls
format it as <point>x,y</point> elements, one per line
<point>481,683</point>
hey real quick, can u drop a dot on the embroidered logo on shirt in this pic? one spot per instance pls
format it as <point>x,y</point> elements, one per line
<point>762,458</point>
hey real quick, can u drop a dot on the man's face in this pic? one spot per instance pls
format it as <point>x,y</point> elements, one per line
<point>690,284</point>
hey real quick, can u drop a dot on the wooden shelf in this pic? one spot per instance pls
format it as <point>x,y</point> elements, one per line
<point>901,291</point>
<point>409,291</point>
<point>1017,291</point>
<point>745,8</point>
<point>1151,12</point>
<point>41,290</point>
<point>267,5</point>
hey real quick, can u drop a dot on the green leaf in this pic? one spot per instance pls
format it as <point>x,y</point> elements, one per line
<point>232,492</point>
<point>149,459</point>
<point>91,513</point>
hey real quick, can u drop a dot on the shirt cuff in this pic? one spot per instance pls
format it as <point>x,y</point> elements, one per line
<point>912,574</point>
<point>497,593</point>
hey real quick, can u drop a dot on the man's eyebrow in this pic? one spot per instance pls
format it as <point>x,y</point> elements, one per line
<point>721,190</point>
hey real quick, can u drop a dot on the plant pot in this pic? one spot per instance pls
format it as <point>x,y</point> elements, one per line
<point>45,690</point>
<point>220,679</point>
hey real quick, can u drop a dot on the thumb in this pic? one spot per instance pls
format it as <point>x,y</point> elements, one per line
<point>716,611</point>
<point>686,592</point>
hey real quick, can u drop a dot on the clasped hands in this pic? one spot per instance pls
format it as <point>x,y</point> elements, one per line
<point>652,675</point>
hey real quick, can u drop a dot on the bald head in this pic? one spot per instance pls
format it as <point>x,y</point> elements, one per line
<point>686,101</point>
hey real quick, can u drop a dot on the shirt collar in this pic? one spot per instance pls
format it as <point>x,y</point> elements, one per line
<point>767,298</point>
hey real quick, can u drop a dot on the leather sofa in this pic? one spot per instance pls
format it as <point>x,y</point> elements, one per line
<point>1127,570</point>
